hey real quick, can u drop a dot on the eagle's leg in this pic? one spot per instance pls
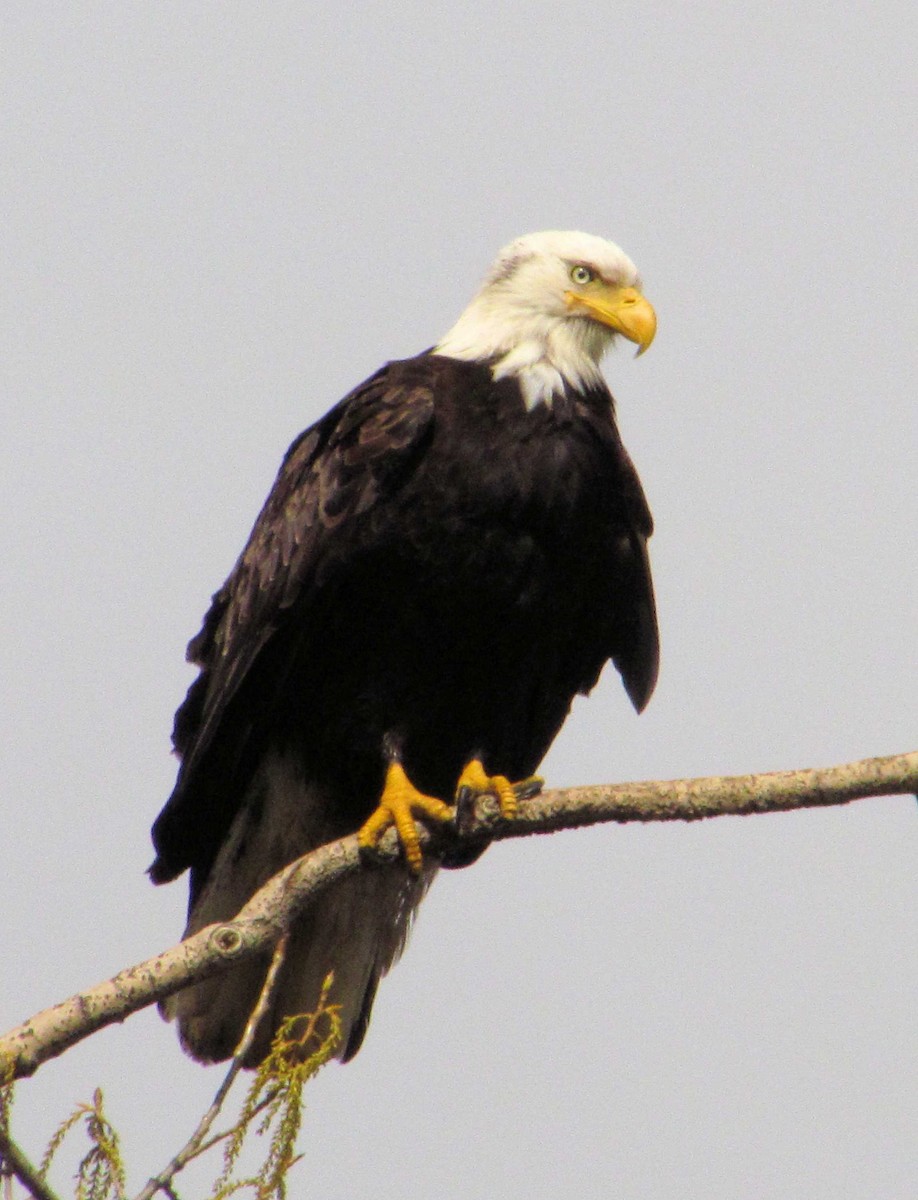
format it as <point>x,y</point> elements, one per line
<point>398,805</point>
<point>475,781</point>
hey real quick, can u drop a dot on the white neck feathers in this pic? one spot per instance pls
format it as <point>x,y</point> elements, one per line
<point>545,353</point>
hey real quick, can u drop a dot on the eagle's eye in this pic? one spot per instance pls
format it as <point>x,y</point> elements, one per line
<point>582,274</point>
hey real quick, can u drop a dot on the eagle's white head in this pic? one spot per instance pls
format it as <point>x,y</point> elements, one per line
<point>548,310</point>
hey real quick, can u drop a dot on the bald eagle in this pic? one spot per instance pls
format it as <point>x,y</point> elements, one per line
<point>445,560</point>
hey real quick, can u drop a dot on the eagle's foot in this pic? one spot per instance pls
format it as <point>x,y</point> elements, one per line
<point>475,781</point>
<point>399,804</point>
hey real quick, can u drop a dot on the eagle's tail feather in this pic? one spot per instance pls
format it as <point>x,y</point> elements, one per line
<point>355,929</point>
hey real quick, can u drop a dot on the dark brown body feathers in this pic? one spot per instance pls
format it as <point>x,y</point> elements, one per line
<point>436,564</point>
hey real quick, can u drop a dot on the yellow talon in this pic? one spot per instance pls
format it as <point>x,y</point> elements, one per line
<point>399,803</point>
<point>478,781</point>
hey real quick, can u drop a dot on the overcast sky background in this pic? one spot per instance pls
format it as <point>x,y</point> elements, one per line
<point>216,219</point>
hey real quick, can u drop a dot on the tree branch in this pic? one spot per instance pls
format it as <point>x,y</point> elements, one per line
<point>269,913</point>
<point>14,1163</point>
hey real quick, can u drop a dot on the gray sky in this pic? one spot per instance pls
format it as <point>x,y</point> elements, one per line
<point>218,218</point>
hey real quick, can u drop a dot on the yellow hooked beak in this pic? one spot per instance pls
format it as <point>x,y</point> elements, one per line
<point>624,309</point>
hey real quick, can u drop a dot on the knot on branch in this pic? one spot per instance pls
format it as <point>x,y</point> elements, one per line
<point>227,941</point>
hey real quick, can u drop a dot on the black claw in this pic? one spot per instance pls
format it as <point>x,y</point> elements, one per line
<point>465,809</point>
<point>528,788</point>
<point>371,853</point>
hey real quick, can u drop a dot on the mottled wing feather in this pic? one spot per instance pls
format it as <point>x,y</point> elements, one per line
<point>333,473</point>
